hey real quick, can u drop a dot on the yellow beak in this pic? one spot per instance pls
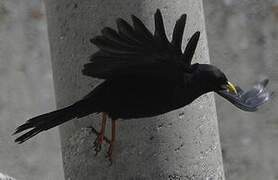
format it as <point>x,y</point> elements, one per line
<point>231,88</point>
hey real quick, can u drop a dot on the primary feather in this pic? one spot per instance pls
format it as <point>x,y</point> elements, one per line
<point>178,33</point>
<point>136,48</point>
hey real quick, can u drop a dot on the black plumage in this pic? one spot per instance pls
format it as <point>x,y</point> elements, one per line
<point>145,75</point>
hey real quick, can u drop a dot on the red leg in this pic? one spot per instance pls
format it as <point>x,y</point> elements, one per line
<point>99,140</point>
<point>112,142</point>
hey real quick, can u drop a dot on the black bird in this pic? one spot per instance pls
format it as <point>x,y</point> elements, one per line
<point>145,75</point>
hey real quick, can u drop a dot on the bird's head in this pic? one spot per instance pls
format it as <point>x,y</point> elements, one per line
<point>210,78</point>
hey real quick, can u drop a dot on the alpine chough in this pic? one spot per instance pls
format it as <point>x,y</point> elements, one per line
<point>145,75</point>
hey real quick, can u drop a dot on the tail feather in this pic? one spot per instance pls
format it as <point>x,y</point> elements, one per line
<point>27,135</point>
<point>45,122</point>
<point>23,127</point>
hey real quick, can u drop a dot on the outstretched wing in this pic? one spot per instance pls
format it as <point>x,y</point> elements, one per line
<point>135,51</point>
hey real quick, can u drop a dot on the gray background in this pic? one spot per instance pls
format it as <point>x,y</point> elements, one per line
<point>242,38</point>
<point>26,90</point>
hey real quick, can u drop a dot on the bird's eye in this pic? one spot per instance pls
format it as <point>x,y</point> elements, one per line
<point>223,80</point>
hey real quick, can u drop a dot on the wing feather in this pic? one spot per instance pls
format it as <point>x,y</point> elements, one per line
<point>126,31</point>
<point>190,48</point>
<point>159,28</point>
<point>112,35</point>
<point>111,46</point>
<point>135,50</point>
<point>178,32</point>
<point>141,29</point>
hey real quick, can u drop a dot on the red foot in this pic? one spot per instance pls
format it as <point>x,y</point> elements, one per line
<point>110,152</point>
<point>98,142</point>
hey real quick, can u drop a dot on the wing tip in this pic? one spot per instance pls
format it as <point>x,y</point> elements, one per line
<point>158,11</point>
<point>119,20</point>
<point>197,34</point>
<point>183,16</point>
<point>95,40</point>
<point>158,16</point>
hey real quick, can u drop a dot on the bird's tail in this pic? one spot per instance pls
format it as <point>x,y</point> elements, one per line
<point>45,122</point>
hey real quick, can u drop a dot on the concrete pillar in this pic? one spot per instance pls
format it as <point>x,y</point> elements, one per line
<point>183,144</point>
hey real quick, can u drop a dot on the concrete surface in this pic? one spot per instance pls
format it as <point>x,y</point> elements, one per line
<point>183,144</point>
<point>5,177</point>
<point>26,90</point>
<point>242,38</point>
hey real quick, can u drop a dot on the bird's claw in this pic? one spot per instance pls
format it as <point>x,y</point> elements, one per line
<point>109,153</point>
<point>97,144</point>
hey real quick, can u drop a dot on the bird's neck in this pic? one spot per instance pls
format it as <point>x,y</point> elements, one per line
<point>184,95</point>
<point>195,89</point>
